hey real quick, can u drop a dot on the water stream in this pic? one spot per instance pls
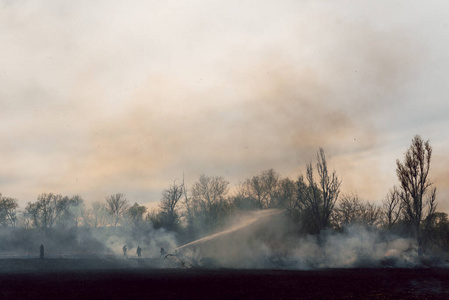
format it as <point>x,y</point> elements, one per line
<point>256,216</point>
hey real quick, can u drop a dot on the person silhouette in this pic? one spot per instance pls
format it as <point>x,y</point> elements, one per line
<point>139,251</point>
<point>124,251</point>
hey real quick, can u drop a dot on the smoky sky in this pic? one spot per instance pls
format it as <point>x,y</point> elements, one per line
<point>107,96</point>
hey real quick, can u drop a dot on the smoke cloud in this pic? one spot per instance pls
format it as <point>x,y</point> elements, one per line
<point>263,239</point>
<point>106,97</point>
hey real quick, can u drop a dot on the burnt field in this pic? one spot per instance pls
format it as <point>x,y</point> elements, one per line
<point>149,279</point>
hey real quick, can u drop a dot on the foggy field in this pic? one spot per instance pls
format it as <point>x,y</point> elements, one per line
<point>118,279</point>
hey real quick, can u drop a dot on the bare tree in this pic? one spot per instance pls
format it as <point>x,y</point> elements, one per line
<point>189,211</point>
<point>262,188</point>
<point>330,187</point>
<point>351,209</point>
<point>135,214</point>
<point>437,231</point>
<point>371,214</point>
<point>96,216</point>
<point>8,211</point>
<point>208,198</point>
<point>316,201</point>
<point>70,210</point>
<point>415,185</point>
<point>286,194</point>
<point>348,210</point>
<point>45,211</point>
<point>76,209</point>
<point>117,206</point>
<point>168,205</point>
<point>392,208</point>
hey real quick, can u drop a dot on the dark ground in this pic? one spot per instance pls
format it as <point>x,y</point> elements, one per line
<point>139,279</point>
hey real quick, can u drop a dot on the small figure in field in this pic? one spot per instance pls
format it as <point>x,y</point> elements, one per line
<point>139,251</point>
<point>41,251</point>
<point>163,253</point>
<point>124,251</point>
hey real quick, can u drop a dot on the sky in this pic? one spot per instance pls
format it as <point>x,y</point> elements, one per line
<point>102,97</point>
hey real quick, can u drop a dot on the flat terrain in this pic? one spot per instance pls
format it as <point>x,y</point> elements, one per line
<point>136,279</point>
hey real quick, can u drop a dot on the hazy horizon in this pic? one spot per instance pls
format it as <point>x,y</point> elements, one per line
<point>111,97</point>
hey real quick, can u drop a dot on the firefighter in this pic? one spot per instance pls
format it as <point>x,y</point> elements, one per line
<point>124,251</point>
<point>41,251</point>
<point>163,253</point>
<point>139,251</point>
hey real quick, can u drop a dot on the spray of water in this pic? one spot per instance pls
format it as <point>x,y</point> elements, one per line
<point>251,219</point>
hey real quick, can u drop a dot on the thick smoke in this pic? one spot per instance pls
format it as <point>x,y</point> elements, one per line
<point>356,246</point>
<point>179,95</point>
<point>258,239</point>
<point>264,239</point>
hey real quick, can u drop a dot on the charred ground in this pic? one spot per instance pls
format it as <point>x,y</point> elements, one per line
<point>117,279</point>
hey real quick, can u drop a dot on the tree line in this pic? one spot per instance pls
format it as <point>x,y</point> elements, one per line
<point>312,203</point>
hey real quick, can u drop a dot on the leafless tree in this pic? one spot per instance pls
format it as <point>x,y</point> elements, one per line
<point>188,211</point>
<point>347,210</point>
<point>117,206</point>
<point>417,195</point>
<point>262,188</point>
<point>316,201</point>
<point>437,231</point>
<point>392,208</point>
<point>96,216</point>
<point>45,211</point>
<point>8,211</point>
<point>168,205</point>
<point>371,214</point>
<point>135,214</point>
<point>70,210</point>
<point>208,198</point>
<point>286,194</point>
<point>351,209</point>
<point>330,187</point>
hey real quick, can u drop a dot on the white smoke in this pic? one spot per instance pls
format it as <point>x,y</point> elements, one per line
<point>356,246</point>
<point>263,240</point>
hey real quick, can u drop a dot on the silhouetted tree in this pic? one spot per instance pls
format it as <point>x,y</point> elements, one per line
<point>242,201</point>
<point>316,200</point>
<point>8,211</point>
<point>351,210</point>
<point>188,212</point>
<point>417,195</point>
<point>135,214</point>
<point>77,209</point>
<point>96,216</point>
<point>392,208</point>
<point>286,194</point>
<point>154,217</point>
<point>262,188</point>
<point>70,211</point>
<point>117,206</point>
<point>437,231</point>
<point>347,210</point>
<point>208,199</point>
<point>53,209</point>
<point>371,214</point>
<point>168,205</point>
<point>45,211</point>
